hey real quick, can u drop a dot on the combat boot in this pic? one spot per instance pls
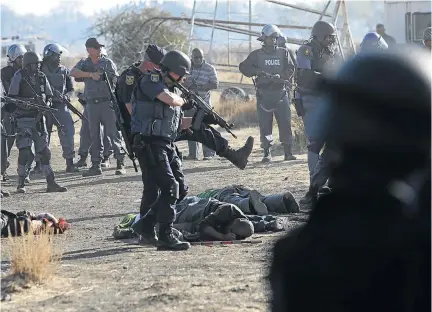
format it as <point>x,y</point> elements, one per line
<point>94,170</point>
<point>70,167</point>
<point>106,162</point>
<point>145,228</point>
<point>82,162</point>
<point>120,168</point>
<point>239,157</point>
<point>21,186</point>
<point>52,186</point>
<point>267,156</point>
<point>288,152</point>
<point>37,168</point>
<point>311,196</point>
<point>168,241</point>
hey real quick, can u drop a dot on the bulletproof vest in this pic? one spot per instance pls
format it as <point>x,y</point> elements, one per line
<point>96,89</point>
<point>30,86</point>
<point>7,73</point>
<point>320,56</point>
<point>271,63</point>
<point>56,78</point>
<point>155,118</point>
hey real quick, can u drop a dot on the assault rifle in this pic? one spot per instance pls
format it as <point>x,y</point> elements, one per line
<point>68,104</point>
<point>203,109</point>
<point>120,121</point>
<point>27,104</point>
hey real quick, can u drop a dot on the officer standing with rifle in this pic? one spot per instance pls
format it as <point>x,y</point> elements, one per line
<point>31,84</point>
<point>272,68</point>
<point>62,87</point>
<point>15,56</point>
<point>312,57</point>
<point>156,121</point>
<point>99,104</point>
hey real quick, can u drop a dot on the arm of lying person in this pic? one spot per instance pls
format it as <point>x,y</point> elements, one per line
<point>224,215</point>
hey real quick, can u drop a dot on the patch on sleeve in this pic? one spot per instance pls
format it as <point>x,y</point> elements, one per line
<point>307,52</point>
<point>154,77</point>
<point>130,80</point>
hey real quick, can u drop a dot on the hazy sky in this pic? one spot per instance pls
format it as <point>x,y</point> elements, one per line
<point>87,7</point>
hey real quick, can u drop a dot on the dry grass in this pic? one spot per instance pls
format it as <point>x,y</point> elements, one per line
<point>33,258</point>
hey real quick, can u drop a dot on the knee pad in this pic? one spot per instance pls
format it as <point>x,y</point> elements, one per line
<point>45,156</point>
<point>24,155</point>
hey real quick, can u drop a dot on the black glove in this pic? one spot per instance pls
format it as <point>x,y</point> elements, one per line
<point>189,104</point>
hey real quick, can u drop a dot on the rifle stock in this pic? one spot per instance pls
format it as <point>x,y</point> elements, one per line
<point>205,108</point>
<point>120,121</point>
<point>69,105</point>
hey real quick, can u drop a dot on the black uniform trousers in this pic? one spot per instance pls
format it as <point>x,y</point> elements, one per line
<point>163,180</point>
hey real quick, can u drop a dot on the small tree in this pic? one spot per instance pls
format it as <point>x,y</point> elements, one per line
<point>133,29</point>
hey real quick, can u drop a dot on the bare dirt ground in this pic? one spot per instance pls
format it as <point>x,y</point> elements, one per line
<point>100,274</point>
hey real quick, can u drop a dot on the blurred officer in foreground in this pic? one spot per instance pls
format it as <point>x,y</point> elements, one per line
<point>312,59</point>
<point>272,67</point>
<point>61,82</point>
<point>156,121</point>
<point>30,83</point>
<point>366,245</point>
<point>427,38</point>
<point>372,43</point>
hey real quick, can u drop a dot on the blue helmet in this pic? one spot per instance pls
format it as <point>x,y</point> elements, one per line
<point>52,48</point>
<point>373,42</point>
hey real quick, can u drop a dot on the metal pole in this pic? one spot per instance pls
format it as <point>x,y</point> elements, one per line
<point>324,11</point>
<point>210,53</point>
<point>229,45</point>
<point>298,7</point>
<point>191,28</point>
<point>250,27</point>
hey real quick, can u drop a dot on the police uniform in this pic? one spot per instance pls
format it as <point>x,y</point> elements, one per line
<point>60,80</point>
<point>99,109</point>
<point>272,95</point>
<point>7,118</point>
<point>311,59</point>
<point>31,126</point>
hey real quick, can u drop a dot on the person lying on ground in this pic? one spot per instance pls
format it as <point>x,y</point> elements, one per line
<point>252,202</point>
<point>21,222</point>
<point>206,219</point>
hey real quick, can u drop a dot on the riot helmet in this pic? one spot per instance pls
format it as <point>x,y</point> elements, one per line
<point>15,54</point>
<point>177,62</point>
<point>269,35</point>
<point>31,61</point>
<point>52,53</point>
<point>16,50</point>
<point>373,42</point>
<point>380,109</point>
<point>324,32</point>
<point>427,37</point>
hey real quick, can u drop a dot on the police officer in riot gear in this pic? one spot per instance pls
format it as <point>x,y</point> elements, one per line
<point>61,82</point>
<point>312,58</point>
<point>30,83</point>
<point>272,67</point>
<point>15,56</point>
<point>373,42</point>
<point>427,38</point>
<point>156,121</point>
